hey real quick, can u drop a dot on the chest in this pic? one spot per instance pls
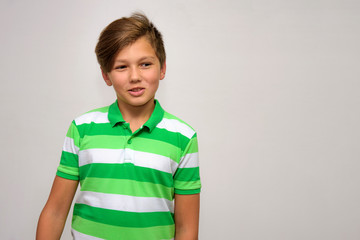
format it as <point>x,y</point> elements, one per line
<point>118,151</point>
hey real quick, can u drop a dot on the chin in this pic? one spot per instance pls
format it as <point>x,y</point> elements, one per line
<point>140,103</point>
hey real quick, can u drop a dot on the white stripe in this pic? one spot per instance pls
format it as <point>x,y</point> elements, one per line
<point>125,203</point>
<point>69,146</point>
<point>81,236</point>
<point>96,117</point>
<point>174,125</point>
<point>190,160</point>
<point>141,159</point>
<point>98,155</point>
<point>154,161</point>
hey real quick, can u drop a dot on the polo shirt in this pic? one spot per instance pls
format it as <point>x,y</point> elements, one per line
<point>128,179</point>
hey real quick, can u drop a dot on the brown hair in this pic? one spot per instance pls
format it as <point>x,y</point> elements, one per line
<point>123,32</point>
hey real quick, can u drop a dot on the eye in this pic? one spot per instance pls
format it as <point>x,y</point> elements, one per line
<point>146,65</point>
<point>120,67</point>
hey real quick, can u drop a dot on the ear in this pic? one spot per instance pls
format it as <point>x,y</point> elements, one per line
<point>163,71</point>
<point>106,77</point>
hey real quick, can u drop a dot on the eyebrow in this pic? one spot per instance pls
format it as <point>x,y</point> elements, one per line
<point>145,58</point>
<point>141,59</point>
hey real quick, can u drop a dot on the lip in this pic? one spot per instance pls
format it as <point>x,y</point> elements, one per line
<point>136,92</point>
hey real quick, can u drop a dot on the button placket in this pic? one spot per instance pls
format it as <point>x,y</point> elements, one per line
<point>129,154</point>
<point>127,151</point>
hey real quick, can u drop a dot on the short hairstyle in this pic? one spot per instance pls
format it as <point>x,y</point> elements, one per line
<point>123,32</point>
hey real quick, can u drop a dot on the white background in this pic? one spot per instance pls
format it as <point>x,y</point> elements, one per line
<point>272,87</point>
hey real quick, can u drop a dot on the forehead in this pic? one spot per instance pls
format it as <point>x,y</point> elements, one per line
<point>140,48</point>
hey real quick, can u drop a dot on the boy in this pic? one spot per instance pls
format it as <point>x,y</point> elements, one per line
<point>137,164</point>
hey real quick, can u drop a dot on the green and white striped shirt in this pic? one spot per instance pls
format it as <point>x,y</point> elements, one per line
<point>128,180</point>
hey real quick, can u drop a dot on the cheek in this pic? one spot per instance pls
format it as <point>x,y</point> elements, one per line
<point>119,81</point>
<point>153,76</point>
<point>153,82</point>
<point>156,85</point>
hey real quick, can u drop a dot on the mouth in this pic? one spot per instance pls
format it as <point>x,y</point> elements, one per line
<point>136,92</point>
<point>136,89</point>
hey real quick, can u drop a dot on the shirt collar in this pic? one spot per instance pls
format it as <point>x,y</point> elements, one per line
<point>114,114</point>
<point>157,115</point>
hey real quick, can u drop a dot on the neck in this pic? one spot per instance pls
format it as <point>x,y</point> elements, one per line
<point>136,116</point>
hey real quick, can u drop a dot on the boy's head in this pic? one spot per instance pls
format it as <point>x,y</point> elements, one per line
<point>123,32</point>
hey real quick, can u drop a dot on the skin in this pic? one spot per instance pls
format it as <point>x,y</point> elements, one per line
<point>136,67</point>
<point>135,78</point>
<point>187,216</point>
<point>53,216</point>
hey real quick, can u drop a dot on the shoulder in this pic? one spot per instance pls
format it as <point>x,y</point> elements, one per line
<point>174,124</point>
<point>98,115</point>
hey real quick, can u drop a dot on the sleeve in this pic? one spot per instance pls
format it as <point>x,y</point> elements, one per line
<point>69,162</point>
<point>187,175</point>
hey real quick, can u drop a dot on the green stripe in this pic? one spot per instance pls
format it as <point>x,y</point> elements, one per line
<point>103,141</point>
<point>187,192</point>
<point>69,170</point>
<point>67,176</point>
<point>138,144</point>
<point>123,219</point>
<point>73,133</point>
<point>126,171</point>
<point>187,174</point>
<point>156,147</point>
<point>192,146</point>
<point>69,159</point>
<point>94,129</point>
<point>176,139</point>
<point>105,231</point>
<point>173,138</point>
<point>170,116</point>
<point>187,185</point>
<point>127,187</point>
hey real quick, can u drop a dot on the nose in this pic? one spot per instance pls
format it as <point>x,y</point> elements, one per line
<point>135,75</point>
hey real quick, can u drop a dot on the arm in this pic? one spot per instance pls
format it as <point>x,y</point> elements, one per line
<point>187,216</point>
<point>53,216</point>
